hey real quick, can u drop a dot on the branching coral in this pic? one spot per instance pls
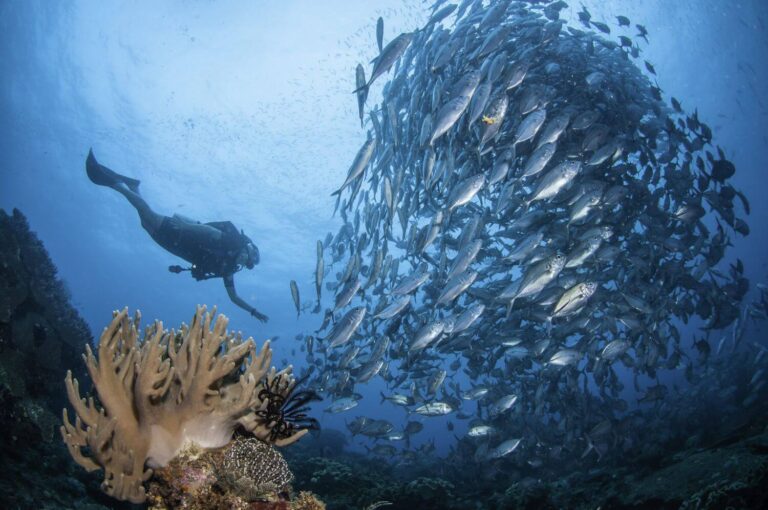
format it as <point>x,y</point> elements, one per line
<point>169,390</point>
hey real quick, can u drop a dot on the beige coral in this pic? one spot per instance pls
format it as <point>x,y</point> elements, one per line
<point>159,394</point>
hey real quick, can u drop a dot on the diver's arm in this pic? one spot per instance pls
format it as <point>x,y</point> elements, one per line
<point>229,284</point>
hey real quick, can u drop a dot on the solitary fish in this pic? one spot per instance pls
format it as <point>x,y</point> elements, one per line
<point>380,33</point>
<point>319,269</point>
<point>295,296</point>
<point>362,93</point>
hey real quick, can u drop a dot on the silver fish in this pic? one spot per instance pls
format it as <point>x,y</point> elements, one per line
<point>344,329</point>
<point>614,349</point>
<point>456,286</point>
<point>427,334</point>
<point>295,296</point>
<point>380,33</point>
<point>478,102</point>
<point>340,405</point>
<point>359,164</point>
<point>480,431</point>
<point>447,116</point>
<point>394,308</point>
<point>539,159</point>
<point>465,191</point>
<point>505,448</point>
<point>554,129</point>
<point>493,117</point>
<point>411,282</point>
<point>574,298</point>
<point>468,317</point>
<point>387,57</point>
<point>535,279</point>
<point>434,409</point>
<point>530,126</point>
<point>464,258</point>
<point>347,293</point>
<point>502,405</point>
<point>362,94</point>
<point>565,357</point>
<point>555,180</point>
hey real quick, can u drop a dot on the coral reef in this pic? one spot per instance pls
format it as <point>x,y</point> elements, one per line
<point>252,468</point>
<point>307,501</point>
<point>245,474</point>
<point>40,334</point>
<point>158,395</point>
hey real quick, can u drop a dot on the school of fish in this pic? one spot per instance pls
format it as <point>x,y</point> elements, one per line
<point>526,218</point>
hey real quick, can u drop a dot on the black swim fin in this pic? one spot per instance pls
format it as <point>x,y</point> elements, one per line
<point>103,176</point>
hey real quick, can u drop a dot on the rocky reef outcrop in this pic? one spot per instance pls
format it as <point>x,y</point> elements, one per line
<point>41,333</point>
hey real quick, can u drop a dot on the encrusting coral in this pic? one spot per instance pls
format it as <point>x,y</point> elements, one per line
<point>252,468</point>
<point>170,390</point>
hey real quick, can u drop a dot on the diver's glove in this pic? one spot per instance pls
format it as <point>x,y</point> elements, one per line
<point>176,269</point>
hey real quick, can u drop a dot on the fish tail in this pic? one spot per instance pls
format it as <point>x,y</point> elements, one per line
<point>526,204</point>
<point>509,307</point>
<point>338,201</point>
<point>362,88</point>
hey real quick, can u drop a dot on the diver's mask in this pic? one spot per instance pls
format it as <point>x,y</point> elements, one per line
<point>252,255</point>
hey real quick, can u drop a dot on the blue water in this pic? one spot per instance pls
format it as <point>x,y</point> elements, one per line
<point>242,111</point>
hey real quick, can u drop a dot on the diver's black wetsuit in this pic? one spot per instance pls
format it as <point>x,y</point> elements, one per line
<point>209,260</point>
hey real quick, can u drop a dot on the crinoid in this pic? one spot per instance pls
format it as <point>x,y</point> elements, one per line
<point>287,410</point>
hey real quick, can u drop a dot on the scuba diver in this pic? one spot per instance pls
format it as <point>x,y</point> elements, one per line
<point>215,249</point>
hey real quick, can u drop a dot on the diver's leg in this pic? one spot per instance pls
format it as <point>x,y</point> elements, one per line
<point>126,186</point>
<point>150,220</point>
